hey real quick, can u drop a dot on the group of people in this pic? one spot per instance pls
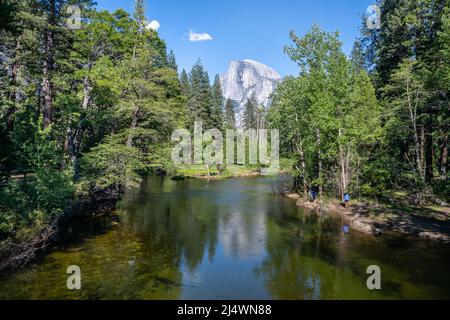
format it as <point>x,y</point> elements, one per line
<point>314,194</point>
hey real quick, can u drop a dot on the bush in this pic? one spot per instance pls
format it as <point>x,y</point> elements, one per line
<point>110,165</point>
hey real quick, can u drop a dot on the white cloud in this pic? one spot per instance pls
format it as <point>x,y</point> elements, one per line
<point>196,37</point>
<point>154,25</point>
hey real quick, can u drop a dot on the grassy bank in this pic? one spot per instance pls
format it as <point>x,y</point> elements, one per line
<point>218,173</point>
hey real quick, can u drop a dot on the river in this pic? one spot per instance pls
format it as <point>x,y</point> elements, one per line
<point>231,239</point>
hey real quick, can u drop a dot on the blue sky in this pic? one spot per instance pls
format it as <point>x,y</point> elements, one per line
<point>245,29</point>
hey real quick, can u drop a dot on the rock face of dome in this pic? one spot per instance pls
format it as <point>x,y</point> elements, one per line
<point>245,78</point>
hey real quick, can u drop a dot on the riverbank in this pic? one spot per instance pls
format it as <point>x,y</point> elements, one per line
<point>396,216</point>
<point>29,242</point>
<point>215,173</point>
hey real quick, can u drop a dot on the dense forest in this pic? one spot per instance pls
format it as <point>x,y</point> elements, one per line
<point>86,111</point>
<point>376,121</point>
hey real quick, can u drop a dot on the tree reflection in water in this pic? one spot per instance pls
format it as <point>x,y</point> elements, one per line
<point>233,239</point>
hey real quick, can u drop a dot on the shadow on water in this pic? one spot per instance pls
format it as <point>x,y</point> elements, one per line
<point>233,239</point>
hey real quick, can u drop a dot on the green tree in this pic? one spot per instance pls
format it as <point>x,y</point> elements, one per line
<point>251,108</point>
<point>323,115</point>
<point>358,57</point>
<point>200,98</point>
<point>217,104</point>
<point>230,115</point>
<point>413,31</point>
<point>171,61</point>
<point>83,111</point>
<point>139,13</point>
<point>185,84</point>
<point>405,95</point>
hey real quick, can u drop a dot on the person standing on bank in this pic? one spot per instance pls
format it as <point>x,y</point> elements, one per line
<point>346,200</point>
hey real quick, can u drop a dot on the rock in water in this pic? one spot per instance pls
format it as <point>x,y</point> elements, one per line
<point>245,78</point>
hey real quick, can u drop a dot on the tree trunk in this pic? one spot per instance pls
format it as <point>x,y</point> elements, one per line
<point>14,95</point>
<point>319,161</point>
<point>444,157</point>
<point>87,89</point>
<point>429,158</point>
<point>417,148</point>
<point>47,88</point>
<point>73,145</point>
<point>343,159</point>
<point>73,139</point>
<point>412,108</point>
<point>133,127</point>
<point>301,153</point>
<point>422,151</point>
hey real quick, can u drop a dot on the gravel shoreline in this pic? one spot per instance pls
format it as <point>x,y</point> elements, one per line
<point>377,220</point>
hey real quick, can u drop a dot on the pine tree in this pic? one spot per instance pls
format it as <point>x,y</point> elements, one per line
<point>251,108</point>
<point>139,13</point>
<point>171,61</point>
<point>357,56</point>
<point>443,85</point>
<point>230,115</point>
<point>217,103</point>
<point>411,32</point>
<point>185,84</point>
<point>200,99</point>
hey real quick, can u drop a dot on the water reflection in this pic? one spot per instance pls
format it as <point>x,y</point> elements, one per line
<point>233,239</point>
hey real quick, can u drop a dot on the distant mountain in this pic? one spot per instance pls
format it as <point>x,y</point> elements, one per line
<point>246,77</point>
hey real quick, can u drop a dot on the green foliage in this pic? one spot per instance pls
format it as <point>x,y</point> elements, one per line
<point>205,102</point>
<point>50,187</point>
<point>139,12</point>
<point>171,61</point>
<point>185,85</point>
<point>341,131</point>
<point>90,109</point>
<point>200,96</point>
<point>251,109</point>
<point>409,61</point>
<point>217,104</point>
<point>41,197</point>
<point>111,165</point>
<point>112,103</point>
<point>358,58</point>
<point>329,116</point>
<point>230,119</point>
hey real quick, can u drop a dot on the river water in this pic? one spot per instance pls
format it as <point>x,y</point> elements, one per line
<point>232,239</point>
